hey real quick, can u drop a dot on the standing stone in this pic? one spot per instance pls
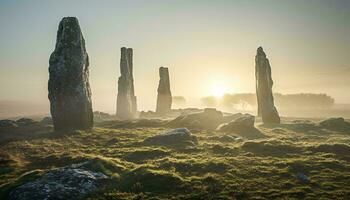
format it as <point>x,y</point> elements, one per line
<point>126,99</point>
<point>266,107</point>
<point>164,98</point>
<point>69,88</point>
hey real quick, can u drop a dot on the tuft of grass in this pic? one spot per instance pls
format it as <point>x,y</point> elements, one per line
<point>271,148</point>
<point>109,166</point>
<point>339,149</point>
<point>139,156</point>
<point>143,179</point>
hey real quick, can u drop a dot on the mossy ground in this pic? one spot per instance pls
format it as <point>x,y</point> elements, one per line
<point>265,168</point>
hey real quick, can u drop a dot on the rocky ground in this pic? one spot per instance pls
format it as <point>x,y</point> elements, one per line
<point>147,159</point>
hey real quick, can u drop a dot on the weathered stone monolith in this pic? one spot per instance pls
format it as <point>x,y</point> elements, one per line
<point>126,99</point>
<point>164,98</point>
<point>69,89</point>
<point>266,107</point>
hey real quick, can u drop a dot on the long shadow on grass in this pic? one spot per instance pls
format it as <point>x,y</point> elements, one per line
<point>31,132</point>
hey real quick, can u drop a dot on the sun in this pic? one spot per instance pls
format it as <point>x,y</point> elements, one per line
<point>218,90</point>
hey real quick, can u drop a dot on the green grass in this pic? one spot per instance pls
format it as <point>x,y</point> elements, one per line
<point>265,168</point>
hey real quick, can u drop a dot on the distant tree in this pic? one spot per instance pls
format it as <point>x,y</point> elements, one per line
<point>240,100</point>
<point>284,101</point>
<point>304,100</point>
<point>179,100</point>
<point>209,101</point>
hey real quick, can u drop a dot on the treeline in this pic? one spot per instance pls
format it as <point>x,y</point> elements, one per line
<point>179,100</point>
<point>284,101</point>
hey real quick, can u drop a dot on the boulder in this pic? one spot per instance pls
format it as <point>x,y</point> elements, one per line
<point>174,137</point>
<point>69,88</point>
<point>266,108</point>
<point>6,123</point>
<point>164,98</point>
<point>72,182</point>
<point>126,99</point>
<point>209,119</point>
<point>242,126</point>
<point>243,123</point>
<point>336,124</point>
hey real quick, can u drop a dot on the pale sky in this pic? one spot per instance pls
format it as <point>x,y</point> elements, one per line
<point>205,45</point>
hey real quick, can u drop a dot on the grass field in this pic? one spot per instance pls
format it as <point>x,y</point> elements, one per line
<point>290,161</point>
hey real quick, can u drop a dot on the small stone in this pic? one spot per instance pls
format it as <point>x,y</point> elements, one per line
<point>302,177</point>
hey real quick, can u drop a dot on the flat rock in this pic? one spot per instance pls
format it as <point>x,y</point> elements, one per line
<point>25,122</point>
<point>178,136</point>
<point>72,182</point>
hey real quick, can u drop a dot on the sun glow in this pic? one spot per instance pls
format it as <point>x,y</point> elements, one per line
<point>218,90</point>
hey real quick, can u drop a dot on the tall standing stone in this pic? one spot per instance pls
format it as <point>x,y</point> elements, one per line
<point>126,99</point>
<point>266,107</point>
<point>164,98</point>
<point>69,89</point>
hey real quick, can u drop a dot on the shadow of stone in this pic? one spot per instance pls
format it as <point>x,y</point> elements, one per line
<point>132,123</point>
<point>31,132</point>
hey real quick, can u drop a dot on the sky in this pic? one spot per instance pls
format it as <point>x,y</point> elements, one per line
<point>208,46</point>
